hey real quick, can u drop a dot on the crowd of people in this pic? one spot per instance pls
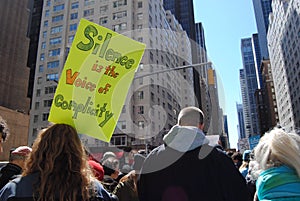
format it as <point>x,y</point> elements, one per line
<point>184,168</point>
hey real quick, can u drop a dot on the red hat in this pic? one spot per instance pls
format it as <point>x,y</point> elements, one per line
<point>22,150</point>
<point>97,169</point>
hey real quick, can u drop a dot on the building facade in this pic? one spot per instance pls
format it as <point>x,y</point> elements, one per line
<point>14,46</point>
<point>249,104</point>
<point>262,9</point>
<point>284,48</point>
<point>241,125</point>
<point>153,101</point>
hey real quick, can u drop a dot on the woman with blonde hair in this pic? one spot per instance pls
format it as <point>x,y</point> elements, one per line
<point>278,156</point>
<point>57,169</point>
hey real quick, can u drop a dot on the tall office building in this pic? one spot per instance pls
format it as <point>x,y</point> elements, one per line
<point>14,73</point>
<point>14,44</point>
<point>241,125</point>
<point>249,88</point>
<point>184,13</point>
<point>153,101</point>
<point>284,49</point>
<point>262,9</point>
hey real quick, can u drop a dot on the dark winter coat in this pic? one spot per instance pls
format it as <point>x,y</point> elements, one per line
<point>22,188</point>
<point>198,172</point>
<point>9,172</point>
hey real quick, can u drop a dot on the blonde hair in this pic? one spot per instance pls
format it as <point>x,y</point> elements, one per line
<point>59,158</point>
<point>278,147</point>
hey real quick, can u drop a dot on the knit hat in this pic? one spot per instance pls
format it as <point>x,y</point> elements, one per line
<point>97,169</point>
<point>246,155</point>
<point>22,151</point>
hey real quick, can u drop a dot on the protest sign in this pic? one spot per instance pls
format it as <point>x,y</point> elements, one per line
<point>95,80</point>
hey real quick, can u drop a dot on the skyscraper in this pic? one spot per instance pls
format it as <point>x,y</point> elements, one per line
<point>262,9</point>
<point>153,101</point>
<point>284,49</point>
<point>250,86</point>
<point>241,126</point>
<point>14,45</point>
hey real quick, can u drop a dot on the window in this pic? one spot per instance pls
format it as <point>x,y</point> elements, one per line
<point>140,4</point>
<point>88,12</point>
<point>140,26</point>
<point>55,52</point>
<point>119,27</point>
<point>44,34</point>
<point>121,124</point>
<point>73,27</point>
<point>140,109</point>
<point>74,16</point>
<point>75,5</point>
<point>39,80</point>
<point>141,95</point>
<point>57,29</point>
<point>141,124</point>
<point>45,116</point>
<point>103,9</point>
<point>119,15</point>
<point>52,77</point>
<point>48,3</point>
<point>43,45</point>
<point>140,16</point>
<point>35,118</point>
<point>119,3</point>
<point>42,57</point>
<point>103,20</point>
<point>140,39</point>
<point>46,23</point>
<point>118,141</point>
<point>70,39</point>
<point>54,41</point>
<point>37,105</point>
<point>48,103</point>
<point>38,93</point>
<point>88,2</point>
<point>41,68</point>
<point>53,64</point>
<point>50,90</point>
<point>58,7</point>
<point>57,18</point>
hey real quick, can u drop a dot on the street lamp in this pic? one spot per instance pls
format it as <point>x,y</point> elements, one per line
<point>175,68</point>
<point>168,70</point>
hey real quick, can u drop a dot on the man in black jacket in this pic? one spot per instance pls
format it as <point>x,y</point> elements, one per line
<point>186,168</point>
<point>14,168</point>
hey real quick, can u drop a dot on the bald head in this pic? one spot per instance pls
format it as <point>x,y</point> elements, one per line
<point>190,116</point>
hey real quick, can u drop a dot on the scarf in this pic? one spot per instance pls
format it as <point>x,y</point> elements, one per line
<point>278,183</point>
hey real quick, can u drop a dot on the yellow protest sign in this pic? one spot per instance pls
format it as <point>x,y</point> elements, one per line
<point>95,80</point>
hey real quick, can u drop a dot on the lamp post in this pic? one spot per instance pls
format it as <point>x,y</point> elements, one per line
<point>167,70</point>
<point>175,68</point>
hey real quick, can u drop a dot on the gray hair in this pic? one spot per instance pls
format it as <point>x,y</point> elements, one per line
<point>190,116</point>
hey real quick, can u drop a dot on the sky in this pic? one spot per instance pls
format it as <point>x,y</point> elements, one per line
<point>225,24</point>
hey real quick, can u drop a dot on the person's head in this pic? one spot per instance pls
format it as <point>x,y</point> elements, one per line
<point>107,155</point>
<point>191,116</point>
<point>19,155</point>
<point>246,155</point>
<point>278,147</point>
<point>60,160</point>
<point>4,132</point>
<point>111,167</point>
